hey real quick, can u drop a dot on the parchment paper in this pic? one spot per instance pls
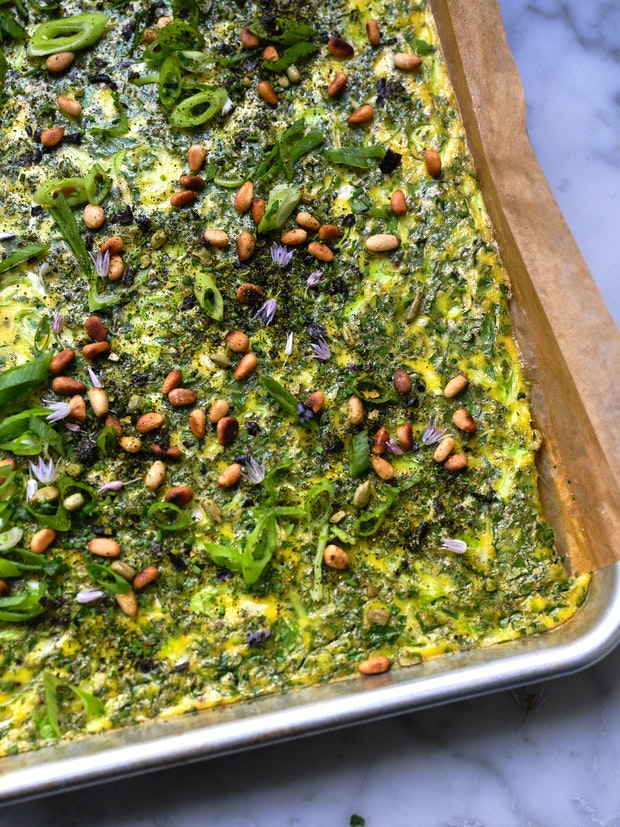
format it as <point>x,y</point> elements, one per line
<point>570,344</point>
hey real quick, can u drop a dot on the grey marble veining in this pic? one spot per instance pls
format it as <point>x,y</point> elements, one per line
<point>490,761</point>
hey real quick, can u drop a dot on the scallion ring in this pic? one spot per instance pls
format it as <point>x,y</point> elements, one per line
<point>169,517</point>
<point>67,35</point>
<point>198,109</point>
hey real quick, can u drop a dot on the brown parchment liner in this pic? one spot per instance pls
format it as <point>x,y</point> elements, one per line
<point>568,339</point>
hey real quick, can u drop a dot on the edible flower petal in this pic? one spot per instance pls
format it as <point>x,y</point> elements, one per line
<point>266,313</point>
<point>394,447</point>
<point>455,546</point>
<point>321,350</point>
<point>281,255</point>
<point>31,489</point>
<point>433,434</point>
<point>114,485</point>
<point>58,410</point>
<point>43,471</point>
<point>88,595</point>
<point>95,380</point>
<point>255,471</point>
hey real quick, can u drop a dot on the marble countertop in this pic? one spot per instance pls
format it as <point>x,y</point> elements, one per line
<point>545,756</point>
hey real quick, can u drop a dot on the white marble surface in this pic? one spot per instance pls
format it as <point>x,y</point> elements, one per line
<point>483,762</point>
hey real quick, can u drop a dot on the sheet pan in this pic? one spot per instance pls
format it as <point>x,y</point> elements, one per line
<point>556,310</point>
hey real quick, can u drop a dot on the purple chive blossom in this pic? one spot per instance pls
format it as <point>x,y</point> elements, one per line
<point>321,350</point>
<point>102,263</point>
<point>31,489</point>
<point>394,447</point>
<point>72,426</point>
<point>433,434</point>
<point>455,546</point>
<point>7,236</point>
<point>88,595</point>
<point>255,471</point>
<point>58,410</point>
<point>95,380</point>
<point>115,485</point>
<point>43,471</point>
<point>314,278</point>
<point>289,344</point>
<point>56,322</point>
<point>281,255</point>
<point>266,313</point>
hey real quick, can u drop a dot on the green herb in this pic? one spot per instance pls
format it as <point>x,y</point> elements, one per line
<point>107,579</point>
<point>359,454</point>
<point>46,434</point>
<point>189,10</point>
<point>354,156</point>
<point>272,482</point>
<point>198,109</point>
<point>174,37</point>
<point>280,394</point>
<point>93,707</point>
<point>259,549</point>
<point>24,254</point>
<point>168,516</point>
<point>292,33</point>
<point>283,199</point>
<point>319,502</point>
<point>357,821</point>
<point>423,48</point>
<point>65,220</point>
<point>21,607</point>
<point>107,441</point>
<point>68,34</point>
<point>28,562</point>
<point>208,296</point>
<point>17,382</point>
<point>13,426</point>
<point>116,130</point>
<point>3,70</point>
<point>370,522</point>
<point>290,148</point>
<point>290,56</point>
<point>10,27</point>
<point>228,183</point>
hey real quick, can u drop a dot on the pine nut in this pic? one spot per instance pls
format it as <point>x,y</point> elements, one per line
<point>362,495</point>
<point>124,569</point>
<point>249,40</point>
<point>52,137</point>
<point>464,421</point>
<point>230,476</point>
<point>355,410</point>
<point>42,539</point>
<point>198,423</point>
<point>114,246</point>
<point>382,243</point>
<point>112,422</point>
<point>73,502</point>
<point>144,577</point>
<point>444,449</point>
<point>227,430</point>
<point>69,106</point>
<point>432,159</point>
<point>98,399</point>
<point>294,237</point>
<point>258,210</point>
<point>67,386</point>
<point>149,422</point>
<point>361,116</point>
<point>338,47</point>
<point>382,468</point>
<point>130,444</point>
<point>328,231</point>
<point>163,22</point>
<point>155,475</point>
<point>181,495</point>
<point>292,73</point>
<point>398,202</point>
<point>246,366</point>
<point>93,216</point>
<point>96,328</point>
<point>4,588</point>
<point>372,32</point>
<point>47,494</point>
<point>116,268</point>
<point>402,382</point>
<point>379,441</point>
<point>61,361</point>
<point>376,665</point>
<point>337,86</point>
<point>407,62</point>
<point>196,155</point>
<point>404,433</point>
<point>173,453</point>
<point>104,547</point>
<point>245,196</point>
<point>149,36</point>
<point>173,380</point>
<point>60,61</point>
<point>455,385</point>
<point>307,221</point>
<point>77,407</point>
<point>182,199</point>
<point>237,341</point>
<point>267,92</point>
<point>320,251</point>
<point>219,409</point>
<point>192,182</point>
<point>316,401</point>
<point>250,293</point>
<point>335,558</point>
<point>456,462</point>
<point>128,603</point>
<point>96,349</point>
<point>216,238</point>
<point>270,53</point>
<point>246,244</point>
<point>180,397</point>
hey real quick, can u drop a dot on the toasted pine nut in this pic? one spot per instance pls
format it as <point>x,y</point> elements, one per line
<point>42,539</point>
<point>114,246</point>
<point>73,502</point>
<point>372,32</point>
<point>444,449</point>
<point>294,237</point>
<point>328,231</point>
<point>374,666</point>
<point>112,422</point>
<point>96,349</point>
<point>230,476</point>
<point>149,35</point>
<point>258,210</point>
<point>361,116</point>
<point>77,406</point>
<point>180,397</point>
<point>128,603</point>
<point>6,466</point>
<point>270,53</point>
<point>338,47</point>
<point>432,159</point>
<point>124,569</point>
<point>173,380</point>
<point>402,382</point>
<point>245,196</point>
<point>4,588</point>
<point>404,433</point>
<point>464,421</point>
<point>307,221</point>
<point>96,328</point>
<point>196,155</point>
<point>93,216</point>
<point>237,341</point>
<point>173,453</point>
<point>67,386</point>
<point>320,251</point>
<point>163,22</point>
<point>382,467</point>
<point>246,366</point>
<point>337,86</point>
<point>60,61</point>
<point>219,409</point>
<point>267,92</point>
<point>379,441</point>
<point>198,423</point>
<point>155,475</point>
<point>116,268</point>
<point>249,40</point>
<point>144,577</point>
<point>335,558</point>
<point>181,495</point>
<point>130,444</point>
<point>398,202</point>
<point>293,74</point>
<point>69,106</point>
<point>98,399</point>
<point>407,62</point>
<point>316,401</point>
<point>248,293</point>
<point>48,494</point>
<point>355,410</point>
<point>52,137</point>
<point>182,199</point>
<point>104,547</point>
<point>456,462</point>
<point>61,361</point>
<point>246,244</point>
<point>227,430</point>
<point>192,182</point>
<point>455,385</point>
<point>216,238</point>
<point>149,422</point>
<point>382,243</point>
